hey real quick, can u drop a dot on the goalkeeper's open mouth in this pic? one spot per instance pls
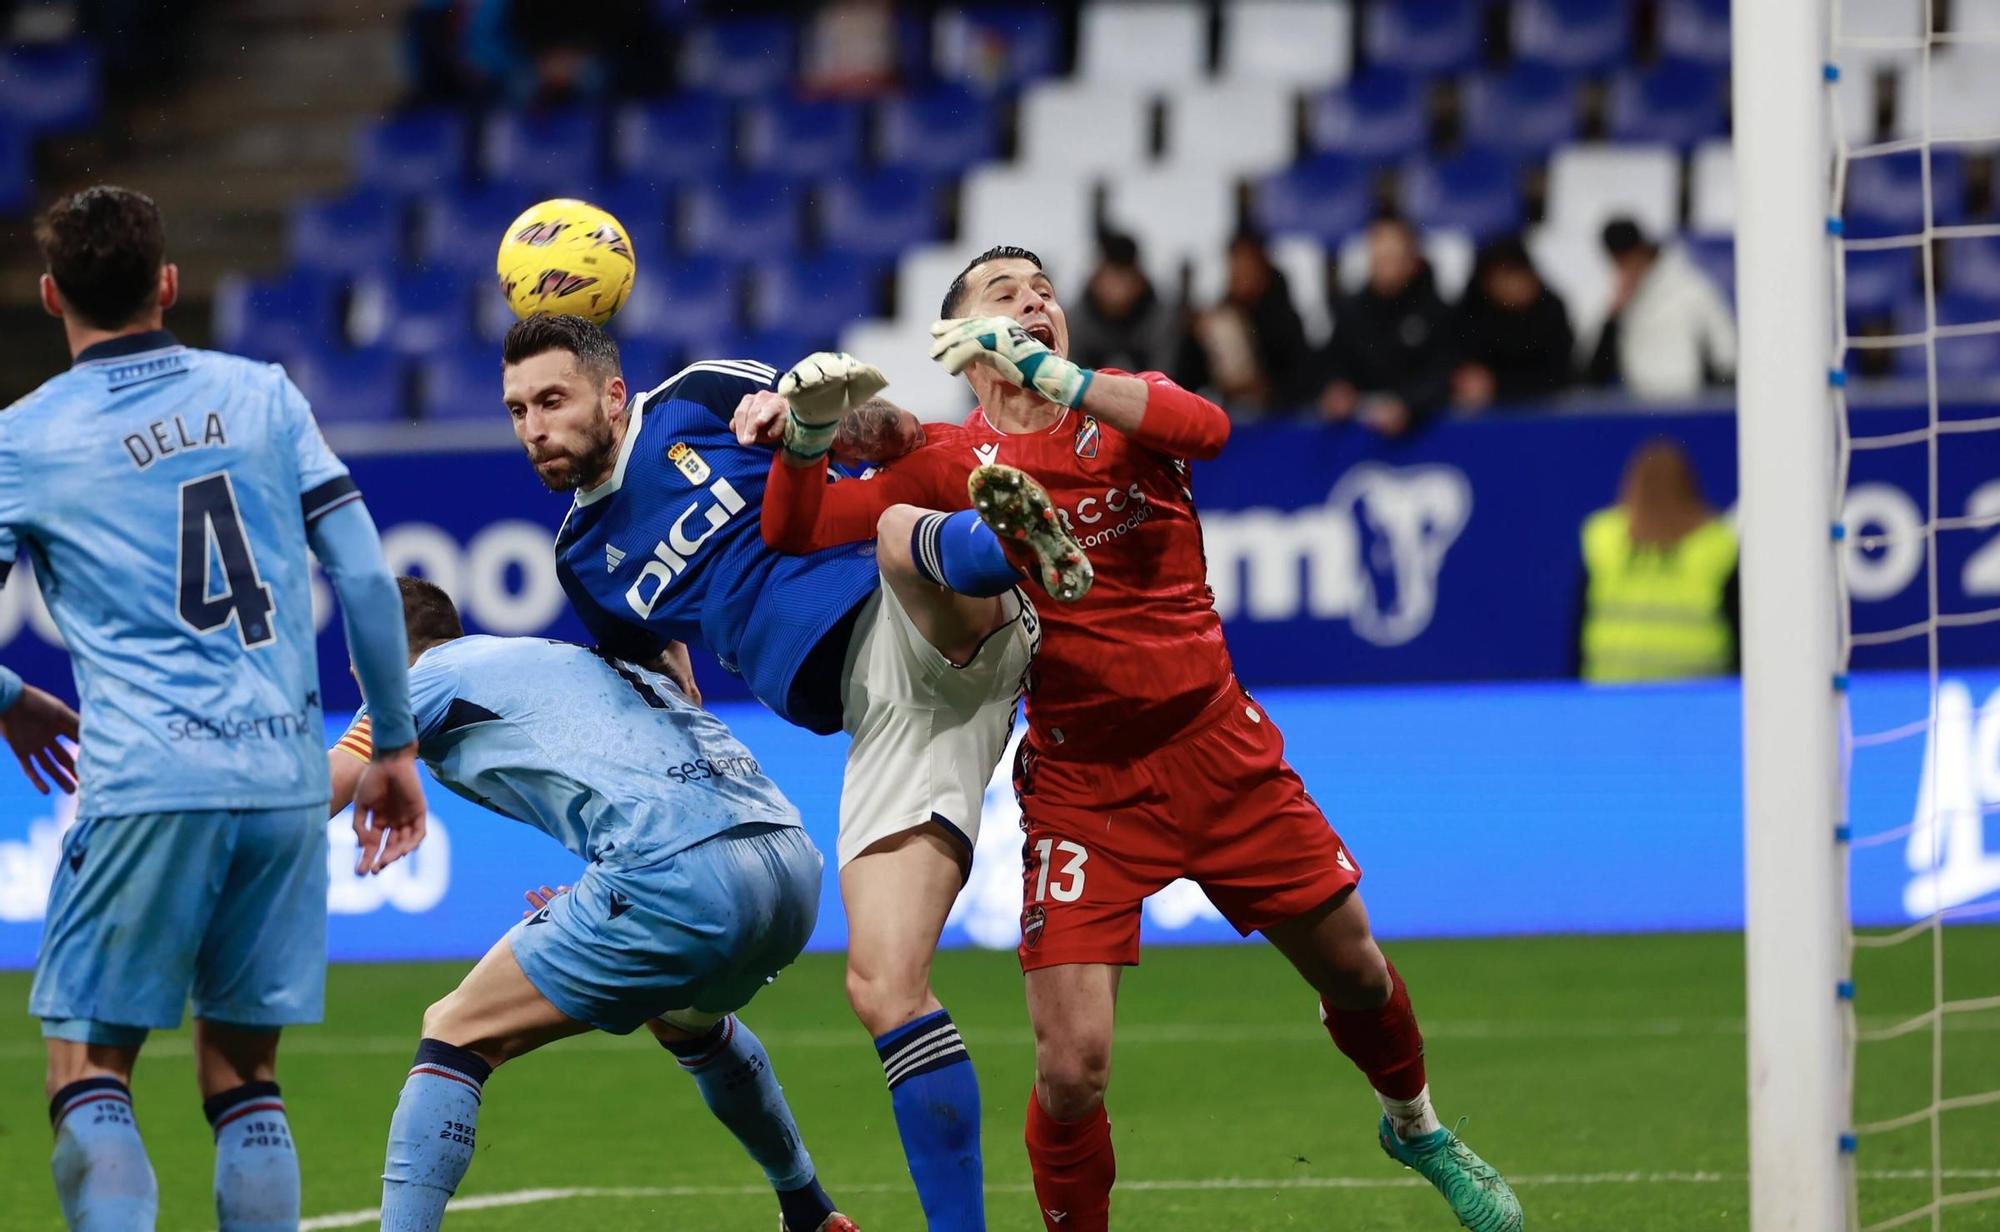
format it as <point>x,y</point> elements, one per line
<point>1042,332</point>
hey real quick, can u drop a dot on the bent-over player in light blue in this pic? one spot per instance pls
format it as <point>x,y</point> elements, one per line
<point>701,885</point>
<point>166,497</point>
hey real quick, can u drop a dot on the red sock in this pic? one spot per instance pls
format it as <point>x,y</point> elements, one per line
<point>1383,1043</point>
<point>1074,1168</point>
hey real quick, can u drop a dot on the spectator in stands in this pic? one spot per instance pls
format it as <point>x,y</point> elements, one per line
<point>528,52</point>
<point>850,49</point>
<point>1670,331</point>
<point>1660,599</point>
<point>1510,333</point>
<point>1387,366</point>
<point>1122,322</point>
<point>1250,348</point>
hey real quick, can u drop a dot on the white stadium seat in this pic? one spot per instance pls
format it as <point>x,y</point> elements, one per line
<point>1894,20</point>
<point>1044,209</point>
<point>922,274</point>
<point>1591,184</point>
<point>1712,189</point>
<point>1231,129</point>
<point>1304,44</point>
<point>901,350</point>
<point>1177,216</point>
<point>1964,95</point>
<point>1574,266</point>
<point>1143,42</point>
<point>1085,125</point>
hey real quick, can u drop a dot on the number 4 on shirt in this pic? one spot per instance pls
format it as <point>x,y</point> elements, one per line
<point>209,517</point>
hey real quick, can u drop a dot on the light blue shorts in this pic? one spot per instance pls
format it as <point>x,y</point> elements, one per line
<point>147,909</point>
<point>704,929</point>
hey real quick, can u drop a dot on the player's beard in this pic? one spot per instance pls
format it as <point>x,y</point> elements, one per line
<point>588,460</point>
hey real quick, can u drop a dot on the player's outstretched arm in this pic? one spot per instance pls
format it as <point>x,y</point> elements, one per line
<point>35,724</point>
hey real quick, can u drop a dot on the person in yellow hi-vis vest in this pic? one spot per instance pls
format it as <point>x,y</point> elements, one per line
<point>1660,597</point>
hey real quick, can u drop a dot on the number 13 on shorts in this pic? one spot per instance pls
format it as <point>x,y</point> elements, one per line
<point>1067,885</point>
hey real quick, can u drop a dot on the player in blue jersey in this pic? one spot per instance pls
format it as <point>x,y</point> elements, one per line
<point>166,497</point>
<point>663,546</point>
<point>700,886</point>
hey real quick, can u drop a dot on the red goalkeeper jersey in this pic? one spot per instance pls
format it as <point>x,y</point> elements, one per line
<point>1128,667</point>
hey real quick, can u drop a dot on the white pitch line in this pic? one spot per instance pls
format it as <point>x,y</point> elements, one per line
<point>531,1197</point>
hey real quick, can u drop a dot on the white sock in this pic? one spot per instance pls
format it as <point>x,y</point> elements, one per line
<point>1411,1118</point>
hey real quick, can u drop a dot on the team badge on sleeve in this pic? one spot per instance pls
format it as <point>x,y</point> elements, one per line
<point>684,456</point>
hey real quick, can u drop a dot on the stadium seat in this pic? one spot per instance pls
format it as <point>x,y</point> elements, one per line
<point>412,311</point>
<point>361,231</point>
<point>1082,125</point>
<point>1231,130</point>
<point>741,57</point>
<point>1576,268</point>
<point>815,296</point>
<point>447,219</point>
<point>1302,44</point>
<point>1896,27</point>
<point>1162,43</point>
<point>1695,30</point>
<point>1964,102</point>
<point>361,385</point>
<point>1179,216</point>
<point>414,152</point>
<point>1051,211</point>
<point>902,350</point>
<point>1423,36</point>
<point>1526,110</point>
<point>1881,282</point>
<point>1589,185</point>
<point>922,274</point>
<point>944,130</point>
<point>1475,191</point>
<point>461,383</point>
<point>683,300</point>
<point>1966,357</point>
<point>1712,189</point>
<point>543,151</point>
<point>998,47</point>
<point>1675,102</point>
<point>646,209</point>
<point>645,362</point>
<point>778,348</point>
<point>683,139</point>
<point>17,170</point>
<point>1715,256</point>
<point>1379,115</point>
<point>1885,194</point>
<point>1326,197</point>
<point>1589,35</point>
<point>803,138</point>
<point>274,318</point>
<point>879,214</point>
<point>50,87</point>
<point>1971,265</point>
<point>745,218</point>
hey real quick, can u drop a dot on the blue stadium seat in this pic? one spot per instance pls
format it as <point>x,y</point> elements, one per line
<point>1327,197</point>
<point>1715,256</point>
<point>461,383</point>
<point>945,130</point>
<point>1676,102</point>
<point>1476,191</point>
<point>998,48</point>
<point>547,151</point>
<point>460,227</point>
<point>644,361</point>
<point>1526,110</point>
<point>1592,35</point>
<point>50,87</point>
<point>1696,30</point>
<point>879,214</point>
<point>1378,115</point>
<point>1885,194</point>
<point>646,209</point>
<point>352,385</point>
<point>1971,357</point>
<point>780,349</point>
<point>746,218</point>
<point>803,138</point>
<point>17,170</point>
<point>816,296</point>
<point>741,57</point>
<point>274,318</point>
<point>680,139</point>
<point>1423,36</point>
<point>1880,283</point>
<point>415,152</point>
<point>358,232</point>
<point>1972,265</point>
<point>682,300</point>
<point>414,311</point>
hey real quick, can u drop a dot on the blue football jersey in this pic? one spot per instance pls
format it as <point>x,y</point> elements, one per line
<point>669,547</point>
<point>608,758</point>
<point>163,494</point>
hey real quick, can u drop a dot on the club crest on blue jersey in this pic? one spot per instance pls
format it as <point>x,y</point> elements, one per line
<point>683,455</point>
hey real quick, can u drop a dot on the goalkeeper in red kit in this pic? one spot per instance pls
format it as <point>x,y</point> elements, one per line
<point>1145,760</point>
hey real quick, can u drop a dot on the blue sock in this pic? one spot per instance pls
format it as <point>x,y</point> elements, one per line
<point>256,1169</point>
<point>936,1097</point>
<point>431,1136</point>
<point>959,552</point>
<point>733,1073</point>
<point>103,1179</point>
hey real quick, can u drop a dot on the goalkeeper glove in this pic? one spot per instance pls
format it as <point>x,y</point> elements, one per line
<point>1010,350</point>
<point>820,389</point>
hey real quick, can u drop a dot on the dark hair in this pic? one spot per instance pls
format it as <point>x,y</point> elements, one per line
<point>104,247</point>
<point>1117,248</point>
<point>1622,235</point>
<point>595,352</point>
<point>429,617</point>
<point>999,252</point>
<point>1507,252</point>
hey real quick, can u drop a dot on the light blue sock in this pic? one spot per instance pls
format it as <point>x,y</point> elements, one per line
<point>103,1179</point>
<point>431,1136</point>
<point>959,552</point>
<point>735,1078</point>
<point>936,1098</point>
<point>256,1169</point>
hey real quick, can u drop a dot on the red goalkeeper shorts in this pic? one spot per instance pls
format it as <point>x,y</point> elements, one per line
<point>1218,805</point>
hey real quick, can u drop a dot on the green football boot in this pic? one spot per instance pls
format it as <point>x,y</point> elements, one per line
<point>1478,1194</point>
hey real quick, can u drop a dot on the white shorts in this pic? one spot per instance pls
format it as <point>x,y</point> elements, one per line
<point>925,732</point>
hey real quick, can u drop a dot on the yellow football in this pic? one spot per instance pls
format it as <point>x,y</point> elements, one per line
<point>566,256</point>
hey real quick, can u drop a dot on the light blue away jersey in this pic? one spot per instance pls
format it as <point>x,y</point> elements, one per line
<point>605,756</point>
<point>163,495</point>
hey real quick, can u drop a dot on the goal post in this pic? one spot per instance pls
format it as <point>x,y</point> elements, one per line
<point>1794,880</point>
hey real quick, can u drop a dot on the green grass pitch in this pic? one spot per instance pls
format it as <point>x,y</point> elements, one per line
<point>1605,1075</point>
